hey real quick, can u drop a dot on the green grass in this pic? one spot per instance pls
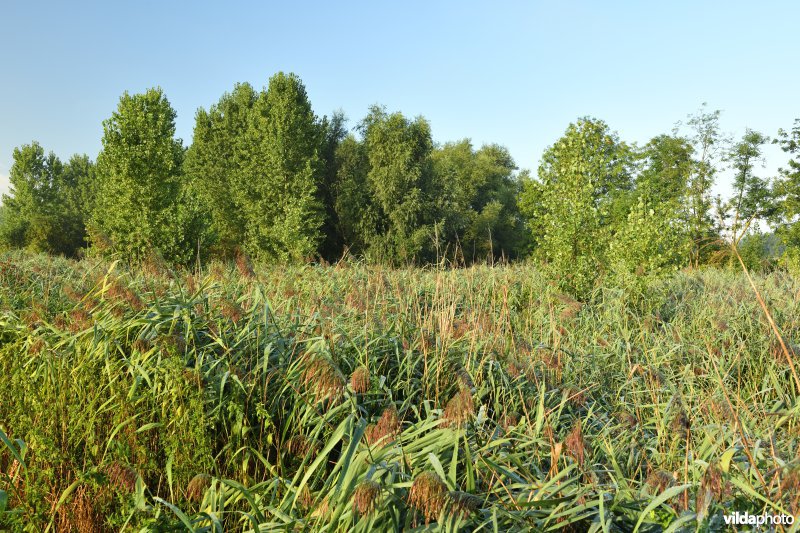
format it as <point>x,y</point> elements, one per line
<point>361,398</point>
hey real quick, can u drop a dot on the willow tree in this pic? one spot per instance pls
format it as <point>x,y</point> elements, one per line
<point>401,185</point>
<point>478,205</point>
<point>48,202</point>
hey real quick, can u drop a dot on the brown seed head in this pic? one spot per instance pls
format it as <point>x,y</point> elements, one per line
<point>660,480</point>
<point>36,346</point>
<point>121,476</point>
<point>429,495</point>
<point>711,486</point>
<point>231,310</point>
<point>191,283</point>
<point>141,345</point>
<point>508,421</point>
<point>791,478</point>
<point>324,378</point>
<point>365,497</point>
<point>464,379</point>
<point>244,265</point>
<point>462,503</point>
<point>172,344</point>
<point>575,443</point>
<point>322,509</point>
<point>360,380</point>
<point>197,487</point>
<point>387,427</point>
<point>626,418</point>
<point>299,445</point>
<point>80,514</point>
<point>120,293</point>
<point>304,498</point>
<point>681,424</point>
<point>79,320</point>
<point>459,409</point>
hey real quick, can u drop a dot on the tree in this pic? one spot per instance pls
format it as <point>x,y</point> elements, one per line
<point>580,200</point>
<point>752,199</point>
<point>358,218</point>
<point>478,208</point>
<point>141,204</point>
<point>666,166</point>
<point>215,165</point>
<point>279,193</point>
<point>708,144</point>
<point>334,131</point>
<point>48,202</point>
<point>654,237</point>
<point>787,193</point>
<point>401,185</point>
<point>651,242</point>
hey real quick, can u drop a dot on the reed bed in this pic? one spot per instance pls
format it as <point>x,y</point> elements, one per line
<point>356,398</point>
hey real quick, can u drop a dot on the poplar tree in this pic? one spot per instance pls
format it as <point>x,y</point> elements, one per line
<point>139,208</point>
<point>584,181</point>
<point>278,193</point>
<point>215,166</point>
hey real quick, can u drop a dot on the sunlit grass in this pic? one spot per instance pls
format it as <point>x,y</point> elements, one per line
<point>355,398</point>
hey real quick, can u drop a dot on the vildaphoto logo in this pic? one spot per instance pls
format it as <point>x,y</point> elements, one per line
<point>747,519</point>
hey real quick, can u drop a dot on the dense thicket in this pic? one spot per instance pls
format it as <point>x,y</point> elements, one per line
<point>48,202</point>
<point>266,176</point>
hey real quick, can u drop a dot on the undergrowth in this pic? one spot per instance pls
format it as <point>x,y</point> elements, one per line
<point>337,398</point>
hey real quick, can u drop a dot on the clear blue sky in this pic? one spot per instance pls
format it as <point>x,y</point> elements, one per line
<point>515,73</point>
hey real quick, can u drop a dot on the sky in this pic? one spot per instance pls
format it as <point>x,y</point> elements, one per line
<point>513,73</point>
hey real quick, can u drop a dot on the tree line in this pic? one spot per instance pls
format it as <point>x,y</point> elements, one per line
<point>265,176</point>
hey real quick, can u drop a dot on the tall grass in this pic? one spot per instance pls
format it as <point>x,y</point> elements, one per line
<point>353,398</point>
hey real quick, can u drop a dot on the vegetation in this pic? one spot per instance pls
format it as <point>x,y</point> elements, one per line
<point>266,176</point>
<point>140,182</point>
<point>425,338</point>
<point>352,397</point>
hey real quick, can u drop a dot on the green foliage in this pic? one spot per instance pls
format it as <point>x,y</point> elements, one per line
<point>215,164</point>
<point>265,176</point>
<point>385,189</point>
<point>787,193</point>
<point>256,168</point>
<point>48,202</point>
<point>357,217</point>
<point>651,243</point>
<point>401,184</point>
<point>655,237</point>
<point>478,207</point>
<point>581,196</point>
<point>760,252</point>
<point>708,145</point>
<point>279,195</point>
<point>140,206</point>
<point>752,200</point>
<point>334,132</point>
<point>216,402</point>
<point>667,165</point>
